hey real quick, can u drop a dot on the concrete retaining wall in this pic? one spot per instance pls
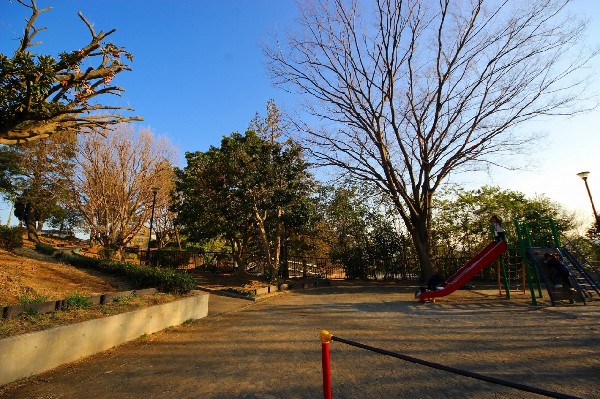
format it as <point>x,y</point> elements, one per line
<point>28,354</point>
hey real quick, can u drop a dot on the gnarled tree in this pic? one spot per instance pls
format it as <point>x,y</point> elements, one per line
<point>415,90</point>
<point>41,95</point>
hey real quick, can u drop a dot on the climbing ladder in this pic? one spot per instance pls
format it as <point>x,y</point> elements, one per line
<point>538,236</point>
<point>586,277</point>
<point>555,294</point>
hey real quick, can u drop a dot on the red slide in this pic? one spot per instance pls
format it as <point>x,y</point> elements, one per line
<point>486,256</point>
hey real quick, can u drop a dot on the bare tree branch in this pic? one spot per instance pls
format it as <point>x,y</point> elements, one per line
<point>37,91</point>
<point>427,88</point>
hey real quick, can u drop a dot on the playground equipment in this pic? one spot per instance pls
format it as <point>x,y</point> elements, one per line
<point>538,236</point>
<point>522,264</point>
<point>486,256</point>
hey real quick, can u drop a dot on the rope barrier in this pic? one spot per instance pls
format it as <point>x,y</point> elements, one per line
<point>477,376</point>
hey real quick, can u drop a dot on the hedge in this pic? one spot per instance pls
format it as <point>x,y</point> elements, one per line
<point>165,280</point>
<point>45,249</point>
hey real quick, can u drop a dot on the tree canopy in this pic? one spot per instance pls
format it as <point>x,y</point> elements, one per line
<point>461,222</point>
<point>41,94</point>
<point>36,178</point>
<point>410,91</point>
<point>248,190</point>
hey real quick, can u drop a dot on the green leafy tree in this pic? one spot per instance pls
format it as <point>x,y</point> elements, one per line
<point>39,173</point>
<point>347,215</point>
<point>41,95</point>
<point>385,245</point>
<point>245,191</point>
<point>461,223</point>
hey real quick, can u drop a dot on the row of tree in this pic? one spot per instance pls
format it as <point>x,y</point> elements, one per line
<point>253,196</point>
<point>410,91</point>
<point>100,182</point>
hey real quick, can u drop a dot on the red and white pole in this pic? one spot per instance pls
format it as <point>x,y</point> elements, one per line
<point>326,362</point>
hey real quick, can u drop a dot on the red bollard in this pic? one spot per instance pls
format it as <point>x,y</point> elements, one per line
<point>325,360</point>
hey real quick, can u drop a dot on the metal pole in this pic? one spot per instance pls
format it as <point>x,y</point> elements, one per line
<point>326,363</point>
<point>592,201</point>
<point>154,191</point>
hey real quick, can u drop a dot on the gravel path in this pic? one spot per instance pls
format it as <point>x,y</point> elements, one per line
<point>271,349</point>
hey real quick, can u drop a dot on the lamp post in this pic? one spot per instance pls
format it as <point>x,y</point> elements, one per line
<point>154,191</point>
<point>584,176</point>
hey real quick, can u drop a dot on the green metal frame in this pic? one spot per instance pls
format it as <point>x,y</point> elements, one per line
<point>524,239</point>
<point>536,232</point>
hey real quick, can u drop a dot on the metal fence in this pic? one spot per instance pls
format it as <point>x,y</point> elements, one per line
<point>405,268</point>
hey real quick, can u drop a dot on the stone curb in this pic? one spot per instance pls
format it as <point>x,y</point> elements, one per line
<point>271,289</point>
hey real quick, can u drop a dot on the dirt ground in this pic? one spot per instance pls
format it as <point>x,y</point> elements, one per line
<point>26,273</point>
<point>271,349</point>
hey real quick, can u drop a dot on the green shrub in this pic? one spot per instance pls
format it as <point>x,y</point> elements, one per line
<point>107,253</point>
<point>240,291</point>
<point>11,237</point>
<point>25,299</point>
<point>165,280</point>
<point>45,249</point>
<point>77,301</point>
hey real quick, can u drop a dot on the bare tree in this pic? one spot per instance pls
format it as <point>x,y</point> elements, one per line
<point>113,185</point>
<point>41,95</point>
<point>419,89</point>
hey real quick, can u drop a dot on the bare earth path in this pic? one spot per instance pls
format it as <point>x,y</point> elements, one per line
<point>271,349</point>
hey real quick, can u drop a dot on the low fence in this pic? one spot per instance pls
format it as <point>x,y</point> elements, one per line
<point>326,339</point>
<point>407,269</point>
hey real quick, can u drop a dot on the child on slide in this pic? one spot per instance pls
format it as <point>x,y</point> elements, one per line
<point>435,282</point>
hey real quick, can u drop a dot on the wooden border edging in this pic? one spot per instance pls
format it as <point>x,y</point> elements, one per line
<point>29,354</point>
<point>61,304</point>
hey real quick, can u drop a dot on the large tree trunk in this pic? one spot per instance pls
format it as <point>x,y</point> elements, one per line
<point>421,240</point>
<point>238,253</point>
<point>31,224</point>
<point>273,267</point>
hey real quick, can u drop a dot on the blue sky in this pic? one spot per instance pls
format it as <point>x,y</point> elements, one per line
<point>198,70</point>
<point>198,74</point>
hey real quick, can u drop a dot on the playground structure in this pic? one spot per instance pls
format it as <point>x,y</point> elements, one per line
<point>538,236</point>
<point>522,265</point>
<point>486,256</point>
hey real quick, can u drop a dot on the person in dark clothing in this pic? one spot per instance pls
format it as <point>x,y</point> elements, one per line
<point>499,232</point>
<point>434,282</point>
<point>560,271</point>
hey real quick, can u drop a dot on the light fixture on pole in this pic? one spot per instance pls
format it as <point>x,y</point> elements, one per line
<point>154,191</point>
<point>584,176</point>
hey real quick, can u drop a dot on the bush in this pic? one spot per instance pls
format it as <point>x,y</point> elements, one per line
<point>45,249</point>
<point>77,301</point>
<point>10,237</point>
<point>25,299</point>
<point>165,280</point>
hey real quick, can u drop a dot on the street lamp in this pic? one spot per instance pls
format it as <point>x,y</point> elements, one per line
<point>154,191</point>
<point>584,176</point>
